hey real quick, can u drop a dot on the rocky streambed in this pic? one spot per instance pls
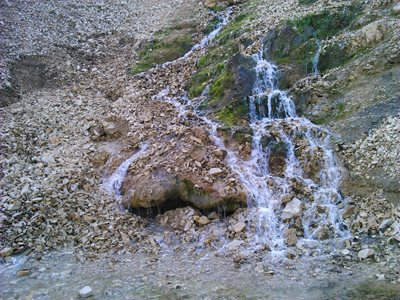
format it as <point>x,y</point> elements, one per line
<point>99,90</point>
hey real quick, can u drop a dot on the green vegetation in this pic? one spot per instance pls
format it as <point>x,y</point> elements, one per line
<point>307,2</point>
<point>232,114</point>
<point>295,43</point>
<point>372,291</point>
<point>167,46</point>
<point>278,148</point>
<point>223,82</point>
<point>327,23</point>
<point>215,68</point>
<point>235,28</point>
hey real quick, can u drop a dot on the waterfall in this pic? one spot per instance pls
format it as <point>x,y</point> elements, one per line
<point>301,193</point>
<point>316,58</point>
<point>223,21</point>
<point>272,115</point>
<point>114,183</point>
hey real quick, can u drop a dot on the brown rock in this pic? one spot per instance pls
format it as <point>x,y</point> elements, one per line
<point>291,237</point>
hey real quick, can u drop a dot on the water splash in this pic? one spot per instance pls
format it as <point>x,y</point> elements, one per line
<point>114,183</point>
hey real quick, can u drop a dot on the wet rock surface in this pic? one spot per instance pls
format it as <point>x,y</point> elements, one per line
<point>80,115</point>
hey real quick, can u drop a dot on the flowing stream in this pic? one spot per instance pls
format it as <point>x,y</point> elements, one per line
<point>273,116</point>
<point>316,58</point>
<point>300,193</point>
<point>114,183</point>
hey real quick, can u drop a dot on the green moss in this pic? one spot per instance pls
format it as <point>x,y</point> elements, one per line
<point>372,291</point>
<point>223,82</point>
<point>167,45</point>
<point>341,107</point>
<point>199,81</point>
<point>327,23</point>
<point>232,114</point>
<point>278,148</point>
<point>235,28</point>
<point>307,2</point>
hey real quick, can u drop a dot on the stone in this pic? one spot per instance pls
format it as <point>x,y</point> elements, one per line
<point>260,267</point>
<point>215,171</point>
<point>380,277</point>
<point>292,209</point>
<point>213,215</point>
<point>291,237</point>
<point>238,227</point>
<point>110,128</point>
<point>210,3</point>
<point>233,245</point>
<point>23,272</point>
<point>349,211</point>
<point>396,9</point>
<point>6,252</point>
<point>365,253</point>
<point>345,252</point>
<point>220,153</point>
<point>385,224</point>
<point>203,220</point>
<point>86,292</point>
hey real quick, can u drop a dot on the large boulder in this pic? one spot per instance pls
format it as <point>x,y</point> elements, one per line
<point>164,191</point>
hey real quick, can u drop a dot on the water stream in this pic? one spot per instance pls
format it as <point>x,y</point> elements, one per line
<point>316,58</point>
<point>273,115</point>
<point>304,195</point>
<point>114,183</point>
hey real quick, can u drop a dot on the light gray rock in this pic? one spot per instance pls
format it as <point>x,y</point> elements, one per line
<point>292,209</point>
<point>396,9</point>
<point>6,252</point>
<point>233,245</point>
<point>365,253</point>
<point>215,171</point>
<point>238,227</point>
<point>86,292</point>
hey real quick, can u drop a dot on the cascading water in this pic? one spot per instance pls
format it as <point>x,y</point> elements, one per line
<point>296,194</point>
<point>223,21</point>
<point>316,58</point>
<point>273,116</point>
<point>114,183</point>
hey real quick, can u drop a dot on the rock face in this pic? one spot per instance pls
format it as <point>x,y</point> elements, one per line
<point>161,189</point>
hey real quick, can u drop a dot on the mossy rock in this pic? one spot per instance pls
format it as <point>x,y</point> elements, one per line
<point>166,46</point>
<point>293,45</point>
<point>307,2</point>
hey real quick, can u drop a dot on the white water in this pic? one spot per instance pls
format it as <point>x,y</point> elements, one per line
<point>223,21</point>
<point>316,58</point>
<point>273,115</point>
<point>114,183</point>
<point>273,111</point>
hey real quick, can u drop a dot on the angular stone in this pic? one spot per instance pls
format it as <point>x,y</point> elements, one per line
<point>238,227</point>
<point>292,209</point>
<point>6,252</point>
<point>396,9</point>
<point>365,253</point>
<point>203,220</point>
<point>221,154</point>
<point>233,245</point>
<point>291,237</point>
<point>86,292</point>
<point>215,171</point>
